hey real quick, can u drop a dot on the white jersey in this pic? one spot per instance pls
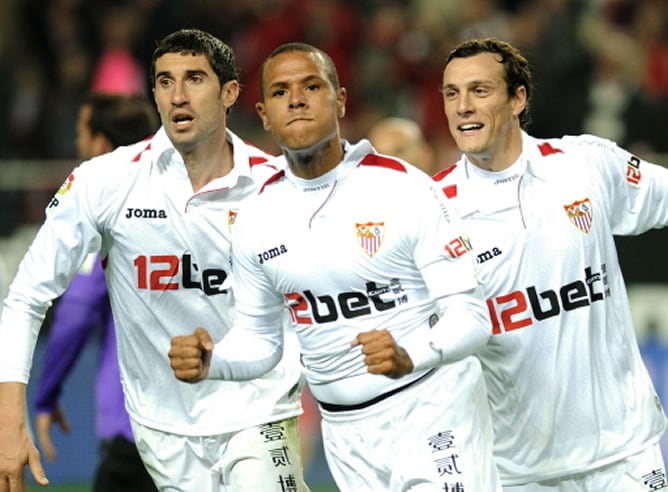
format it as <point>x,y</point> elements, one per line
<point>167,260</point>
<point>369,245</point>
<point>568,389</point>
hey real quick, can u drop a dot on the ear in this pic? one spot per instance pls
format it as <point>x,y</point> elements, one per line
<point>230,92</point>
<point>341,98</point>
<point>259,107</point>
<point>520,100</point>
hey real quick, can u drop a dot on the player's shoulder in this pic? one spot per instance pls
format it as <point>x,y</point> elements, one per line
<point>583,155</point>
<point>384,163</point>
<point>391,169</point>
<point>118,163</point>
<point>569,146</point>
<point>265,167</point>
<point>269,176</point>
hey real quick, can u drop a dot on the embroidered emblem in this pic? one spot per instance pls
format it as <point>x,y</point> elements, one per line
<point>231,217</point>
<point>580,213</point>
<point>370,236</point>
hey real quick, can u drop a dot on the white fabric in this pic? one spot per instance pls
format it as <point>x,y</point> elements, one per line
<point>568,389</point>
<point>167,253</point>
<point>435,435</point>
<point>260,458</point>
<point>640,472</point>
<point>363,247</point>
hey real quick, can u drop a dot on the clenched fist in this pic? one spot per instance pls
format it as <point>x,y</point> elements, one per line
<point>383,355</point>
<point>190,356</point>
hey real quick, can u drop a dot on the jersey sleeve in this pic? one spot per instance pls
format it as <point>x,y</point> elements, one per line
<point>443,256</point>
<point>254,345</point>
<point>637,190</point>
<point>68,235</point>
<point>442,249</point>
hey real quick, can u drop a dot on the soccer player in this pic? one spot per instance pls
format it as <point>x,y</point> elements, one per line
<point>105,122</point>
<point>161,213</point>
<point>380,283</point>
<point>572,403</point>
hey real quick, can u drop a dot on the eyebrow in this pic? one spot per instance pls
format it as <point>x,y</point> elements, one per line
<point>189,73</point>
<point>304,81</point>
<point>472,83</point>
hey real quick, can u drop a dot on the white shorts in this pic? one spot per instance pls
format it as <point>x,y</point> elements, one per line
<point>434,435</point>
<point>640,472</point>
<point>265,457</point>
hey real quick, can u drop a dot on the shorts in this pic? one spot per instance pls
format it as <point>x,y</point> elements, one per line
<point>434,435</point>
<point>121,469</point>
<point>641,472</point>
<point>264,457</point>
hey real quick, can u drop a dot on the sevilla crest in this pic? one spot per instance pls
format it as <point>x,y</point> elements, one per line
<point>580,213</point>
<point>370,236</point>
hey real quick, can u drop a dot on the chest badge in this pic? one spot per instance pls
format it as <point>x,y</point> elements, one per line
<point>231,217</point>
<point>370,236</point>
<point>580,213</point>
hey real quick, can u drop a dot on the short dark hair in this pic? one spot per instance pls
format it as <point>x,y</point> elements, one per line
<point>122,119</point>
<point>330,67</point>
<point>196,42</point>
<point>516,67</point>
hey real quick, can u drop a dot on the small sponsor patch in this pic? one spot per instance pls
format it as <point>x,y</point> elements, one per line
<point>66,186</point>
<point>633,174</point>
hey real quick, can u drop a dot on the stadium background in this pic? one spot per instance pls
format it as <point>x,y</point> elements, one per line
<point>601,67</point>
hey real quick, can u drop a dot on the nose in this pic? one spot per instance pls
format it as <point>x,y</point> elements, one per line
<point>297,100</point>
<point>179,95</point>
<point>464,105</point>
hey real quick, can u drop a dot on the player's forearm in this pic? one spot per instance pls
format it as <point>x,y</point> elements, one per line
<point>462,330</point>
<point>13,402</point>
<point>252,348</point>
<point>237,363</point>
<point>19,327</point>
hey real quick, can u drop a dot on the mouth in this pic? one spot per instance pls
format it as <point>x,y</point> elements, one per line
<point>470,127</point>
<point>182,120</point>
<point>298,119</point>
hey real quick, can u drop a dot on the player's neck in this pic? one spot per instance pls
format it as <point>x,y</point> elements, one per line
<point>208,162</point>
<point>315,161</point>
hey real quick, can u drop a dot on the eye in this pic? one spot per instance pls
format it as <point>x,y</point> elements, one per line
<point>449,93</point>
<point>313,87</point>
<point>481,91</point>
<point>197,79</point>
<point>278,93</point>
<point>164,82</point>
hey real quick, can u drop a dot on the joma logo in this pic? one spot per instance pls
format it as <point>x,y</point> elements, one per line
<point>145,213</point>
<point>271,253</point>
<point>488,255</point>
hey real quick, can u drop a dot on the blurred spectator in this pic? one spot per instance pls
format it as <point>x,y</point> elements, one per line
<point>390,55</point>
<point>625,101</point>
<point>403,138</point>
<point>117,70</point>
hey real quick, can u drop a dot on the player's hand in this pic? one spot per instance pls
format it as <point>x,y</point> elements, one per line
<point>383,355</point>
<point>16,449</point>
<point>43,424</point>
<point>190,356</point>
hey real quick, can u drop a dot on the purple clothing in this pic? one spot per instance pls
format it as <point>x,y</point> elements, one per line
<point>82,309</point>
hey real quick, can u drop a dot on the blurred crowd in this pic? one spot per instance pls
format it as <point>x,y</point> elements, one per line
<point>601,66</point>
